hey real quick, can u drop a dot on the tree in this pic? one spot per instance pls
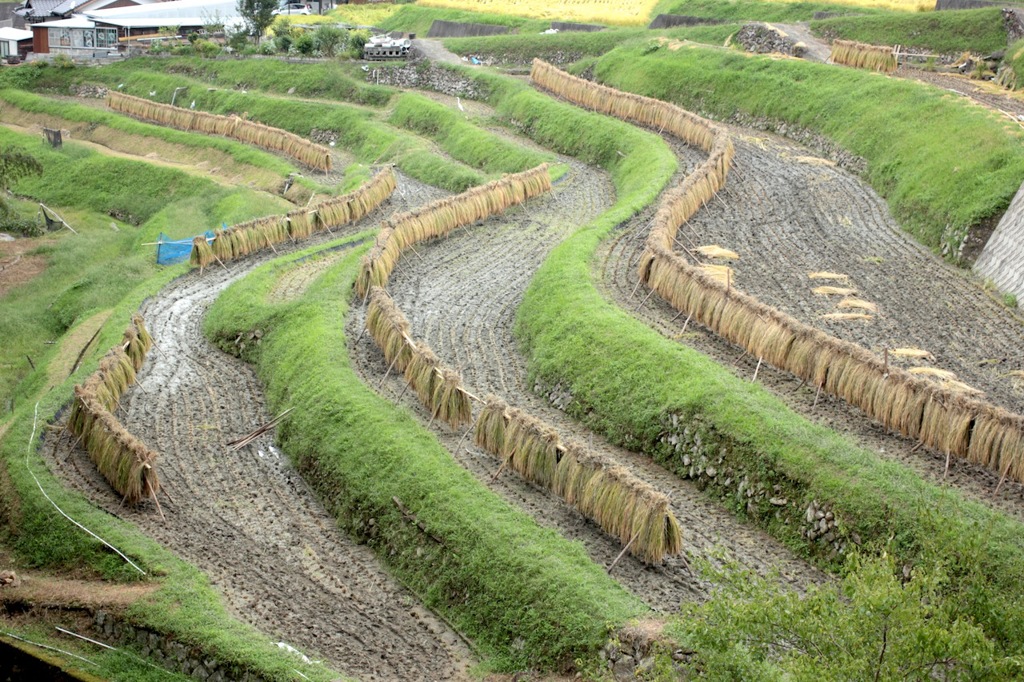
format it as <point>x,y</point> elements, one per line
<point>13,166</point>
<point>258,15</point>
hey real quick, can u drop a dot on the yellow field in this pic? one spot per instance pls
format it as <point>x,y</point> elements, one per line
<point>898,5</point>
<point>363,15</point>
<point>635,13</point>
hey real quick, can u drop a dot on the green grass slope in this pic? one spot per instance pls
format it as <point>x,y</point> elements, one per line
<point>980,31</point>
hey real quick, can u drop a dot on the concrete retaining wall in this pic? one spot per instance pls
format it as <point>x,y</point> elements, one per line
<point>454,29</point>
<point>1002,259</point>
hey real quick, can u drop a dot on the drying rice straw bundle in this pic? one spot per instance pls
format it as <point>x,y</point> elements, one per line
<point>123,460</point>
<point>308,153</point>
<point>222,248</point>
<point>449,401</point>
<point>859,55</point>
<point>439,218</point>
<point>531,447</point>
<point>389,329</point>
<point>202,252</point>
<point>422,373</point>
<point>997,442</point>
<point>301,223</point>
<point>621,504</point>
<point>490,432</point>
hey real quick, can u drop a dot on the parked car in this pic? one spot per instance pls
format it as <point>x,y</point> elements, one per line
<point>292,8</point>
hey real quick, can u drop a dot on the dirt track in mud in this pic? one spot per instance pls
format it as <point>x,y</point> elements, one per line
<point>788,213</point>
<point>460,295</point>
<point>246,518</point>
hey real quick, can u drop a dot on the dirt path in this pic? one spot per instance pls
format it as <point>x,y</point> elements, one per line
<point>817,50</point>
<point>461,296</point>
<point>788,213</point>
<point>434,50</point>
<point>247,519</point>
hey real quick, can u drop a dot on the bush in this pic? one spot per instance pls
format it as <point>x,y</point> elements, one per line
<point>206,48</point>
<point>873,625</point>
<point>20,225</point>
<point>305,45</point>
<point>328,39</point>
<point>356,41</point>
<point>283,42</point>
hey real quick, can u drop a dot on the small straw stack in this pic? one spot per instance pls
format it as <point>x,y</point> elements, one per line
<point>861,56</point>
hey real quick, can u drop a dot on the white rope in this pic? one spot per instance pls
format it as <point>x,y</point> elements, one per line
<point>28,451</point>
<point>51,648</point>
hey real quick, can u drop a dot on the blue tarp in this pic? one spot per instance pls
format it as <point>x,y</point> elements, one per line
<point>170,251</point>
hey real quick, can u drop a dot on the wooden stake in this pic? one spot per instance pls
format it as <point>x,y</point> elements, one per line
<point>501,468</point>
<point>816,394</point>
<point>644,301</point>
<point>686,324</point>
<point>757,369</point>
<point>623,552</point>
<point>152,494</point>
<point>387,373</point>
<point>946,470</point>
<point>1003,478</point>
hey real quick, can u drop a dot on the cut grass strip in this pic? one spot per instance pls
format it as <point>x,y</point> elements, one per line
<point>524,595</point>
<point>980,31</point>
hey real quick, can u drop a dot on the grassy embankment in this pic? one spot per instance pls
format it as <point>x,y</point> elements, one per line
<point>357,129</point>
<point>980,31</point>
<point>129,136</point>
<point>526,597</point>
<point>330,80</point>
<point>567,47</point>
<point>942,165</point>
<point>97,269</point>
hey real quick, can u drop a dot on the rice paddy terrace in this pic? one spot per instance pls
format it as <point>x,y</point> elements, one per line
<point>384,532</point>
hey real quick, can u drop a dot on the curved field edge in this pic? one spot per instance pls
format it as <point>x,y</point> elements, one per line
<point>239,153</point>
<point>354,129</point>
<point>943,166</point>
<point>185,606</point>
<point>524,595</point>
<point>632,385</point>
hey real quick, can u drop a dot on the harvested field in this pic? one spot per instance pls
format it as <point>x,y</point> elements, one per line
<point>789,213</point>
<point>460,295</point>
<point>247,518</point>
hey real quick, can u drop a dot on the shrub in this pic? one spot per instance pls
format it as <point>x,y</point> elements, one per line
<point>328,39</point>
<point>206,48</point>
<point>304,44</point>
<point>283,42</point>
<point>20,225</point>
